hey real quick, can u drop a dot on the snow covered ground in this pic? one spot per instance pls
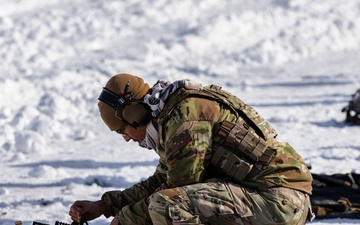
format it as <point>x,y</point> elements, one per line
<point>296,61</point>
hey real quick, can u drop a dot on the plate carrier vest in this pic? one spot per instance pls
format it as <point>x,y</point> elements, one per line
<point>245,147</point>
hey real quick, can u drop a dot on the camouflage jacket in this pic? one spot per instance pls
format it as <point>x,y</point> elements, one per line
<point>187,133</point>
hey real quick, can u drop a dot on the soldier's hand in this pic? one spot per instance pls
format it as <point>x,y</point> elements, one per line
<point>86,210</point>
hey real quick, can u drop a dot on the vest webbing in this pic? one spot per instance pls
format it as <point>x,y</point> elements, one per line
<point>243,154</point>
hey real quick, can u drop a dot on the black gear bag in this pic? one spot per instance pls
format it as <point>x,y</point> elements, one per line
<point>353,109</point>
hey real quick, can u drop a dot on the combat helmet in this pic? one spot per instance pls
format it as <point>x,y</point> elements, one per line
<point>120,102</point>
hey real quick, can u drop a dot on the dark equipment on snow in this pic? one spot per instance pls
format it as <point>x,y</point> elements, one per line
<point>61,223</point>
<point>353,109</point>
<point>56,223</point>
<point>336,196</point>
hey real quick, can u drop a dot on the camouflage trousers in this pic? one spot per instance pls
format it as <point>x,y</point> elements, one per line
<point>221,203</point>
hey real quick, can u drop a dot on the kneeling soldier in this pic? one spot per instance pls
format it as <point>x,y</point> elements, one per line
<point>220,162</point>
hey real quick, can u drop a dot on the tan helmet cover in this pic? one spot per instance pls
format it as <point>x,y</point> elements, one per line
<point>117,84</point>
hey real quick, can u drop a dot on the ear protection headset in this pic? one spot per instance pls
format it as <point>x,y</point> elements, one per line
<point>128,109</point>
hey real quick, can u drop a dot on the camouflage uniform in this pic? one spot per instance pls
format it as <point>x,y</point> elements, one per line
<point>187,189</point>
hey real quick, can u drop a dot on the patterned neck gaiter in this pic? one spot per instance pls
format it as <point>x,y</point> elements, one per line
<point>161,91</point>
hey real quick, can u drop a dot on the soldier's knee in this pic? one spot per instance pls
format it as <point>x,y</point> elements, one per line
<point>156,202</point>
<point>168,206</point>
<point>161,201</point>
<point>157,209</point>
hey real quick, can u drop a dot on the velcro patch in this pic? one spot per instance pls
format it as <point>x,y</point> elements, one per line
<point>180,140</point>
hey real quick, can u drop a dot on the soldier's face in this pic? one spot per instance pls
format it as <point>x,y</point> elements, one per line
<point>135,134</point>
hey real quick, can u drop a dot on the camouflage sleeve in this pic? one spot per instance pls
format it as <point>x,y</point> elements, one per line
<point>185,149</point>
<point>116,200</point>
